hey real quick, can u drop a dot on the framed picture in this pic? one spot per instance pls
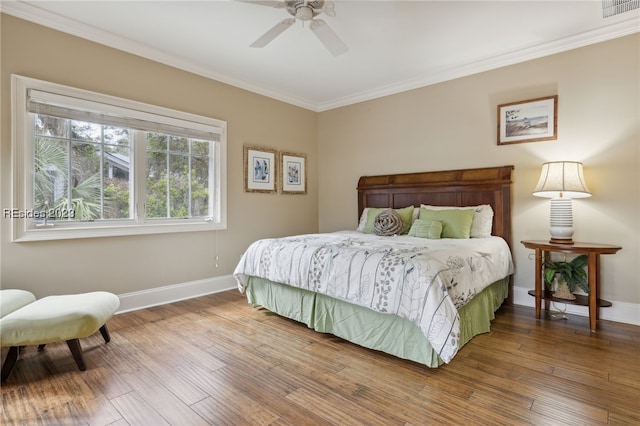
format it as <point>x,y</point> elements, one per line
<point>260,169</point>
<point>528,121</point>
<point>294,173</point>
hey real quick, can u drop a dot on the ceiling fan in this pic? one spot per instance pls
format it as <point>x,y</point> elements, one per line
<point>305,11</point>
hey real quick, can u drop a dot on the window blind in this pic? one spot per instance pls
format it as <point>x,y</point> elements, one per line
<point>57,105</point>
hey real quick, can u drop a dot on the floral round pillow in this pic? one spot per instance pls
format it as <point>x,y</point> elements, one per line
<point>388,223</point>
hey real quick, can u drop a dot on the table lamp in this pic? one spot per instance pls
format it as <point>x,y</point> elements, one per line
<point>561,181</point>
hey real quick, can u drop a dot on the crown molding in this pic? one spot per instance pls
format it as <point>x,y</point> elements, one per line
<point>45,18</point>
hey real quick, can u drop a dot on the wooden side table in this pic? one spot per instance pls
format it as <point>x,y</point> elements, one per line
<point>593,252</point>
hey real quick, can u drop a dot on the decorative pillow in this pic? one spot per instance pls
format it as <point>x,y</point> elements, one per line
<point>388,223</point>
<point>423,229</point>
<point>482,224</point>
<point>369,215</point>
<point>456,223</point>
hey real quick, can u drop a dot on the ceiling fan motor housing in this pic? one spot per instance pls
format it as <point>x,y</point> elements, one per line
<point>304,10</point>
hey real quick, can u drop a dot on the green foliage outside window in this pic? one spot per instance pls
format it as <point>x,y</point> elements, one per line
<point>72,170</point>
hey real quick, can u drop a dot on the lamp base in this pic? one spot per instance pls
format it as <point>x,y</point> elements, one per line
<point>561,221</point>
<point>561,241</point>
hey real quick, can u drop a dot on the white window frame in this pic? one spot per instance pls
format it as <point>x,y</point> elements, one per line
<point>22,142</point>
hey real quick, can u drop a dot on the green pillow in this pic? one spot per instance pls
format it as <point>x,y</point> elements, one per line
<point>423,229</point>
<point>455,223</point>
<point>406,214</point>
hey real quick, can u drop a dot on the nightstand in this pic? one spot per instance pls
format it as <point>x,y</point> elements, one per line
<point>593,252</point>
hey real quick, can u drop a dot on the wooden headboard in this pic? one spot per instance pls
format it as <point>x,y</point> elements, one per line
<point>466,187</point>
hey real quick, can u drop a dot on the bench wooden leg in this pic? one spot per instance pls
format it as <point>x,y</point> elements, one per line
<point>76,351</point>
<point>74,347</point>
<point>105,333</point>
<point>9,362</point>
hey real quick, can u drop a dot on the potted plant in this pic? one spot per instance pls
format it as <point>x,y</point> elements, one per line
<point>570,275</point>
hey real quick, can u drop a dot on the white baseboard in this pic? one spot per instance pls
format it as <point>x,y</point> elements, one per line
<point>628,313</point>
<point>174,293</point>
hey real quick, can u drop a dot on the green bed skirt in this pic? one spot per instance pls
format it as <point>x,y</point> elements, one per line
<point>384,332</point>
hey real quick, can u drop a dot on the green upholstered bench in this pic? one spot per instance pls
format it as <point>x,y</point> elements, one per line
<point>55,319</point>
<point>14,299</point>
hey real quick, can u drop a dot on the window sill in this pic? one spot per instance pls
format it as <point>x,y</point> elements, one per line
<point>61,233</point>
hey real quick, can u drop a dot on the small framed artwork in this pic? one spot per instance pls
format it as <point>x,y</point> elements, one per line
<point>294,173</point>
<point>528,121</point>
<point>260,169</point>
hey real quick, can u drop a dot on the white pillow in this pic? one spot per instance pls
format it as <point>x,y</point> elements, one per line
<point>363,220</point>
<point>482,223</point>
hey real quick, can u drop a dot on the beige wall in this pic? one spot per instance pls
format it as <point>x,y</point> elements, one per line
<point>444,126</point>
<point>453,125</point>
<point>130,264</point>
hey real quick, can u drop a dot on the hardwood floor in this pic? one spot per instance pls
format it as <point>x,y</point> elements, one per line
<point>215,360</point>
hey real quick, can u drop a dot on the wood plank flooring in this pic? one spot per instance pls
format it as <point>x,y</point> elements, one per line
<point>215,360</point>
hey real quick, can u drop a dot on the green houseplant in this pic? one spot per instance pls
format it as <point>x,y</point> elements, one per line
<point>572,273</point>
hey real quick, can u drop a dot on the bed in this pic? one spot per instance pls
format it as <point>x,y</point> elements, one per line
<point>420,299</point>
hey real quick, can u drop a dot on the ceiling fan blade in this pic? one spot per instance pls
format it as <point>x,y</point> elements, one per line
<point>273,33</point>
<point>328,37</point>
<point>329,9</point>
<point>269,3</point>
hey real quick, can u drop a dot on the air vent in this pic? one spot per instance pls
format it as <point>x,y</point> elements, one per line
<point>616,7</point>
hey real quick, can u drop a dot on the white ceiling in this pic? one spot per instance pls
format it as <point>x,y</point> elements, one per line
<point>393,45</point>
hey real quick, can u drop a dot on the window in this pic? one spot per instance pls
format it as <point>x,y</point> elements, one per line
<point>88,165</point>
<point>80,169</point>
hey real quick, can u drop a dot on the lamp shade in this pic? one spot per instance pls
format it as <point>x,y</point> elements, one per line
<point>561,179</point>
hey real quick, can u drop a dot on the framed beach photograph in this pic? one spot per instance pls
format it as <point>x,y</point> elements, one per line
<point>294,174</point>
<point>260,169</point>
<point>528,121</point>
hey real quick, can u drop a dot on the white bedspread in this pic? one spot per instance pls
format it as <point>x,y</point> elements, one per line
<point>422,280</point>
